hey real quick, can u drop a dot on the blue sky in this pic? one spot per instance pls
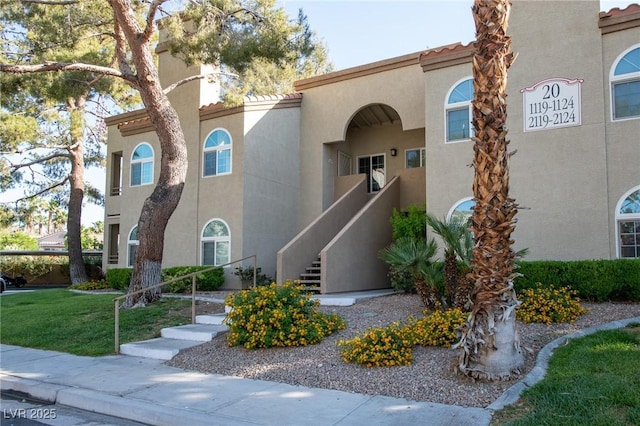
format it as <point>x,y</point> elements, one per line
<point>358,32</point>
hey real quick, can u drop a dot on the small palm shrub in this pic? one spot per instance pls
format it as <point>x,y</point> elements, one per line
<point>379,347</point>
<point>393,345</point>
<point>437,328</point>
<point>548,305</point>
<point>267,316</point>
<point>246,275</point>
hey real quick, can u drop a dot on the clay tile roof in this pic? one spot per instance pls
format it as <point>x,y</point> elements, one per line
<point>616,11</point>
<point>251,103</point>
<point>445,56</point>
<point>619,19</point>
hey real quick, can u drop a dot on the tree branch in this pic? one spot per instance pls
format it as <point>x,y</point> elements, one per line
<point>51,2</point>
<point>151,16</point>
<point>61,66</point>
<point>121,54</point>
<point>47,189</point>
<point>196,77</point>
<point>15,167</point>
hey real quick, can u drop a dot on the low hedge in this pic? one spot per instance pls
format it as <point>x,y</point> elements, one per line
<point>595,280</point>
<point>119,278</point>
<point>212,279</point>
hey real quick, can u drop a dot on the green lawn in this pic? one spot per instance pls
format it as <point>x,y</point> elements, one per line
<point>82,324</point>
<point>594,380</point>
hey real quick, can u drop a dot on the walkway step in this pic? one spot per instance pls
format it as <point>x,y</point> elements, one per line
<point>196,332</point>
<point>159,348</point>
<point>216,319</point>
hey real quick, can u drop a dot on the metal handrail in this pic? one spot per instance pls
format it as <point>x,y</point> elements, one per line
<point>193,275</point>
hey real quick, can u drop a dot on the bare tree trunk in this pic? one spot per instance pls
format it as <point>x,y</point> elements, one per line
<point>158,208</point>
<point>77,270</point>
<point>490,343</point>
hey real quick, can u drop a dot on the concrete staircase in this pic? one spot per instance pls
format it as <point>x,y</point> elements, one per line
<point>311,278</point>
<point>175,339</point>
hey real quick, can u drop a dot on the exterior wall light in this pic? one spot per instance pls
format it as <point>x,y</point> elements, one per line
<point>394,152</point>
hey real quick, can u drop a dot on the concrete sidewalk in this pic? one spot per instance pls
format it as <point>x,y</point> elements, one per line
<point>146,391</point>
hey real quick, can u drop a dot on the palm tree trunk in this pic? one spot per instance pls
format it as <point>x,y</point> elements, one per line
<point>490,344</point>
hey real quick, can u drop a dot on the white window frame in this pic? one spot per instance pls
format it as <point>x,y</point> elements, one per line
<point>624,78</point>
<point>215,241</point>
<point>130,244</point>
<point>422,153</point>
<point>457,106</point>
<point>143,161</point>
<point>217,149</point>
<point>624,217</point>
<point>456,205</point>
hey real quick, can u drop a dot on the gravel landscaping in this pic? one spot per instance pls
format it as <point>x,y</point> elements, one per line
<point>431,377</point>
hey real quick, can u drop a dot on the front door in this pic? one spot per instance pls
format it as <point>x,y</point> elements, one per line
<point>373,167</point>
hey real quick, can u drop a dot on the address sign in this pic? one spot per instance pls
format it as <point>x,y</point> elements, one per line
<point>552,103</point>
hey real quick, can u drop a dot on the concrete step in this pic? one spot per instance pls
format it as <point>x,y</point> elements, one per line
<point>159,348</point>
<point>216,319</point>
<point>310,276</point>
<point>196,332</point>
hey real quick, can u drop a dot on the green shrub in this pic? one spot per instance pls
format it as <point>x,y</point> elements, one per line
<point>548,305</point>
<point>267,316</point>
<point>119,278</point>
<point>92,285</point>
<point>32,267</point>
<point>597,280</point>
<point>209,280</point>
<point>379,347</point>
<point>411,223</point>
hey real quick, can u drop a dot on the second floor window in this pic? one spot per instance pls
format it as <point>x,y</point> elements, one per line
<point>458,112</point>
<point>217,153</point>
<point>625,85</point>
<point>414,158</point>
<point>142,165</point>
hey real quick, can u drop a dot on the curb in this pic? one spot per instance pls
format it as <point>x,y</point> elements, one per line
<point>114,405</point>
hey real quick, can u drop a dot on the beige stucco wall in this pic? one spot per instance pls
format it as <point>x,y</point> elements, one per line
<point>559,174</point>
<point>219,196</point>
<point>271,183</point>
<point>562,177</point>
<point>623,149</point>
<point>449,176</point>
<point>325,116</point>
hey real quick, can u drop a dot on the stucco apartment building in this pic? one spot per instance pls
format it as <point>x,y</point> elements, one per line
<point>308,181</point>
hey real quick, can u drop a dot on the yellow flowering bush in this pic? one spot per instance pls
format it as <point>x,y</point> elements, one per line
<point>273,315</point>
<point>437,328</point>
<point>380,347</point>
<point>392,345</point>
<point>547,305</point>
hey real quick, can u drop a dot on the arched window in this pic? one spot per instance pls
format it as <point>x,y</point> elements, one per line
<point>458,112</point>
<point>462,210</point>
<point>628,224</point>
<point>216,242</point>
<point>217,153</point>
<point>132,245</point>
<point>625,85</point>
<point>142,165</point>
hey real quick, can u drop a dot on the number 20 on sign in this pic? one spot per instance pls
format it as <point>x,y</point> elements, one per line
<point>552,103</point>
